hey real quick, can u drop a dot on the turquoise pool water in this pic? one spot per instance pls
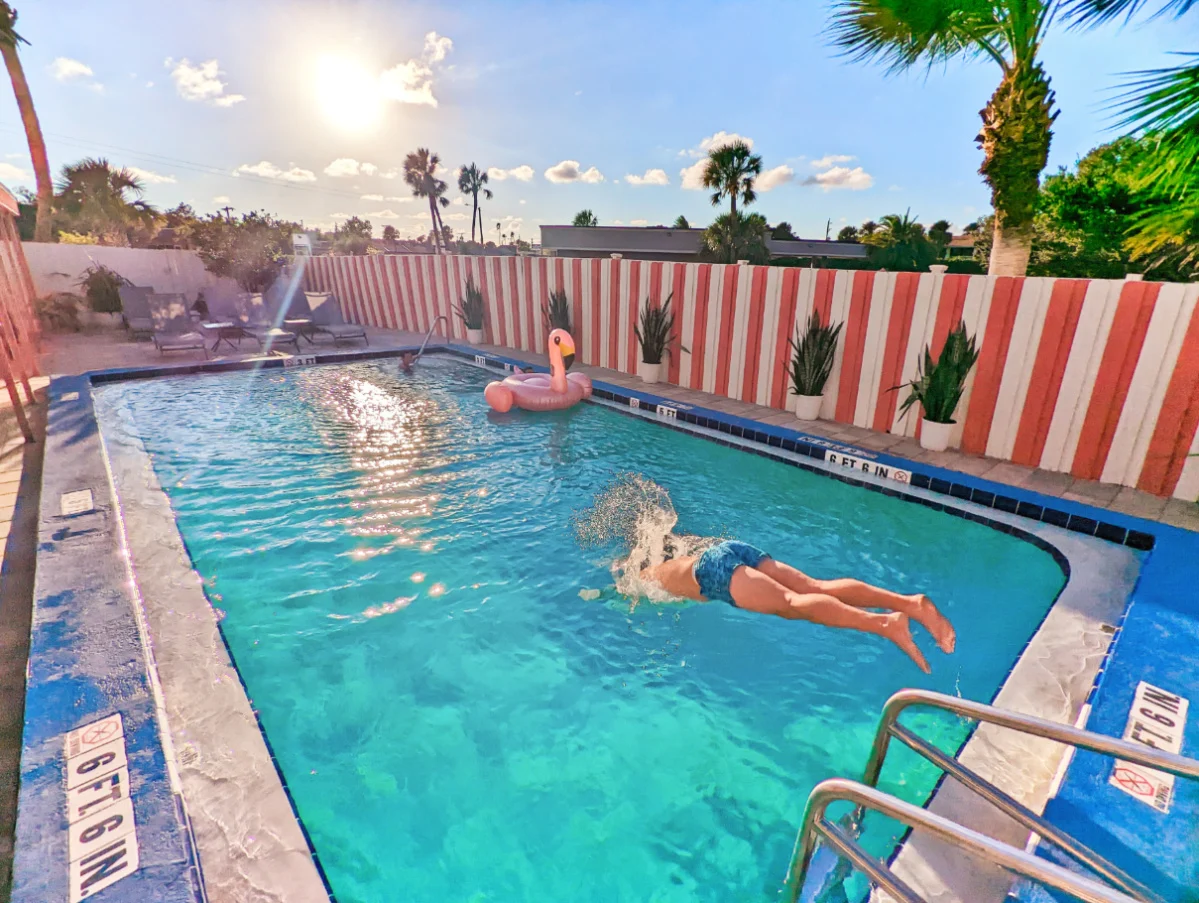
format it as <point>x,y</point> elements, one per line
<point>401,593</point>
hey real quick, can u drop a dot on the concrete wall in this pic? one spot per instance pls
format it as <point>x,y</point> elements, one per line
<point>58,268</point>
<point>1095,378</point>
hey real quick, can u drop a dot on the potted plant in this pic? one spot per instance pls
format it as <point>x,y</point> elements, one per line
<point>939,385</point>
<point>655,334</point>
<point>102,287</point>
<point>812,355</point>
<point>556,311</point>
<point>471,313</point>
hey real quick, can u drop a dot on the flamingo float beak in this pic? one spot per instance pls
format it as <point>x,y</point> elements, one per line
<point>568,354</point>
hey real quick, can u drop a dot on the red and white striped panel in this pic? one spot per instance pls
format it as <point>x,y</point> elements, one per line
<point>1097,378</point>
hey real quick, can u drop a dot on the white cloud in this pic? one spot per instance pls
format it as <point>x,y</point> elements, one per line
<point>523,201</point>
<point>268,170</point>
<point>65,69</point>
<point>617,222</point>
<point>895,188</point>
<point>10,173</point>
<point>638,222</point>
<point>150,177</point>
<point>345,167</point>
<point>856,179</point>
<point>522,173</point>
<point>831,160</point>
<point>372,197</point>
<point>651,177</point>
<point>221,199</point>
<point>693,176</point>
<point>412,81</point>
<point>455,216</point>
<point>408,200</point>
<point>201,83</point>
<point>149,84</point>
<point>568,171</point>
<point>386,213</point>
<point>720,139</point>
<point>773,178</point>
<point>437,46</point>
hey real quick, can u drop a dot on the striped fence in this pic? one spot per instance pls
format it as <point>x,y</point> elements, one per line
<point>1096,378</point>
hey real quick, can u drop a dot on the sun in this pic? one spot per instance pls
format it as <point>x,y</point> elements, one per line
<point>348,94</point>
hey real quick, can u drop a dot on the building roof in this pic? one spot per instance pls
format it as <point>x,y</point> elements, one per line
<point>674,242</point>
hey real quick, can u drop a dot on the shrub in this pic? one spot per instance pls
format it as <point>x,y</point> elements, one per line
<point>471,306</point>
<point>58,312</point>
<point>655,331</point>
<point>102,285</point>
<point>557,311</point>
<point>812,356</point>
<point>939,384</point>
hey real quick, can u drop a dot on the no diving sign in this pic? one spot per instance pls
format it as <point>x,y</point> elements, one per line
<point>1157,719</point>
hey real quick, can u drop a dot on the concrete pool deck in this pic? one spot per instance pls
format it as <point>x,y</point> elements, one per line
<point>974,471</point>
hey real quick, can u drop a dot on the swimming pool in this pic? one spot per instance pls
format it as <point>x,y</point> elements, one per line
<point>400,591</point>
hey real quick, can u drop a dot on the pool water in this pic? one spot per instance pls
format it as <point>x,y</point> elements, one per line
<point>401,588</point>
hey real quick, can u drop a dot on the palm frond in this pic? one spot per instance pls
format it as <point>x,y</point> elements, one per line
<point>902,33</point>
<point>1164,104</point>
<point>1085,13</point>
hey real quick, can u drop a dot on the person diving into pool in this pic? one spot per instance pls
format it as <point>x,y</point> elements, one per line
<point>746,577</point>
<point>665,566</point>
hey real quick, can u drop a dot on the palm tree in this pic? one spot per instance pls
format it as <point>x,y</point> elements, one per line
<point>736,236</point>
<point>868,228</point>
<point>95,199</point>
<point>585,218</point>
<point>9,40</point>
<point>681,222</point>
<point>473,182</point>
<point>1017,120</point>
<point>730,173</point>
<point>900,243</point>
<point>420,174</point>
<point>1162,104</point>
<point>940,235</point>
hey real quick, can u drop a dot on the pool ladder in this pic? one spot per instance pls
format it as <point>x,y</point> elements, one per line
<point>842,850</point>
<point>429,335</point>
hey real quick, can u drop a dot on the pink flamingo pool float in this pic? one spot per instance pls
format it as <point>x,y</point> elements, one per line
<point>538,392</point>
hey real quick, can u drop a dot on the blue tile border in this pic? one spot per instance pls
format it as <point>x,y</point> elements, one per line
<point>1164,591</point>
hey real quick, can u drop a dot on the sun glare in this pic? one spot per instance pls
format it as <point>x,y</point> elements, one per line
<point>348,94</point>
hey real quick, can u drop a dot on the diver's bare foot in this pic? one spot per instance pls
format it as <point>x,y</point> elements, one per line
<point>898,629</point>
<point>927,614</point>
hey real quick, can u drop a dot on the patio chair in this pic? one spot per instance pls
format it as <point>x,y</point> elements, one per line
<point>259,325</point>
<point>327,319</point>
<point>135,308</point>
<point>172,326</point>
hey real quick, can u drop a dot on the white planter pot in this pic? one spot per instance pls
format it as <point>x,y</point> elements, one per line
<point>935,436</point>
<point>474,336</point>
<point>807,407</point>
<point>649,373</point>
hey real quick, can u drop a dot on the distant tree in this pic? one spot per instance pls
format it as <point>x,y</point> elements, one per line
<point>96,199</point>
<point>583,218</point>
<point>9,39</point>
<point>940,235</point>
<point>390,233</point>
<point>420,174</point>
<point>730,173</point>
<point>736,236</point>
<point>868,228</point>
<point>251,249</point>
<point>900,243</point>
<point>782,232</point>
<point>848,233</point>
<point>473,181</point>
<point>681,222</point>
<point>357,226</point>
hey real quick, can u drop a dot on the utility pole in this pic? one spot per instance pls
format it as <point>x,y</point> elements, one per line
<point>227,210</point>
<point>828,230</point>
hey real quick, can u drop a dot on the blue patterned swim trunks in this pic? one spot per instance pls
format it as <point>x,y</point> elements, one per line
<point>715,567</point>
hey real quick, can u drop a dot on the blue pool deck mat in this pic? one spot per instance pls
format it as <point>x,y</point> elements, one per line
<point>87,658</point>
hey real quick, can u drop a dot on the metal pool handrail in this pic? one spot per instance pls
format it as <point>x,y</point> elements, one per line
<point>429,335</point>
<point>816,826</point>
<point>1038,727</point>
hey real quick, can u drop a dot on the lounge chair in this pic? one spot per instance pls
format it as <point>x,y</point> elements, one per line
<point>135,308</point>
<point>327,320</point>
<point>172,325</point>
<point>258,324</point>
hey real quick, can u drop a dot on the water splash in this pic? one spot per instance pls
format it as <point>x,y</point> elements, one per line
<point>637,515</point>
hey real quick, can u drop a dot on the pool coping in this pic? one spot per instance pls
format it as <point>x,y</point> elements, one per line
<point>979,498</point>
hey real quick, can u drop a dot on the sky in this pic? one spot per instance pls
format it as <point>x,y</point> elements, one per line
<point>306,108</point>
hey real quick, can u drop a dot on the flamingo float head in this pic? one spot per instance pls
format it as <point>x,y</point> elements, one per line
<point>562,347</point>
